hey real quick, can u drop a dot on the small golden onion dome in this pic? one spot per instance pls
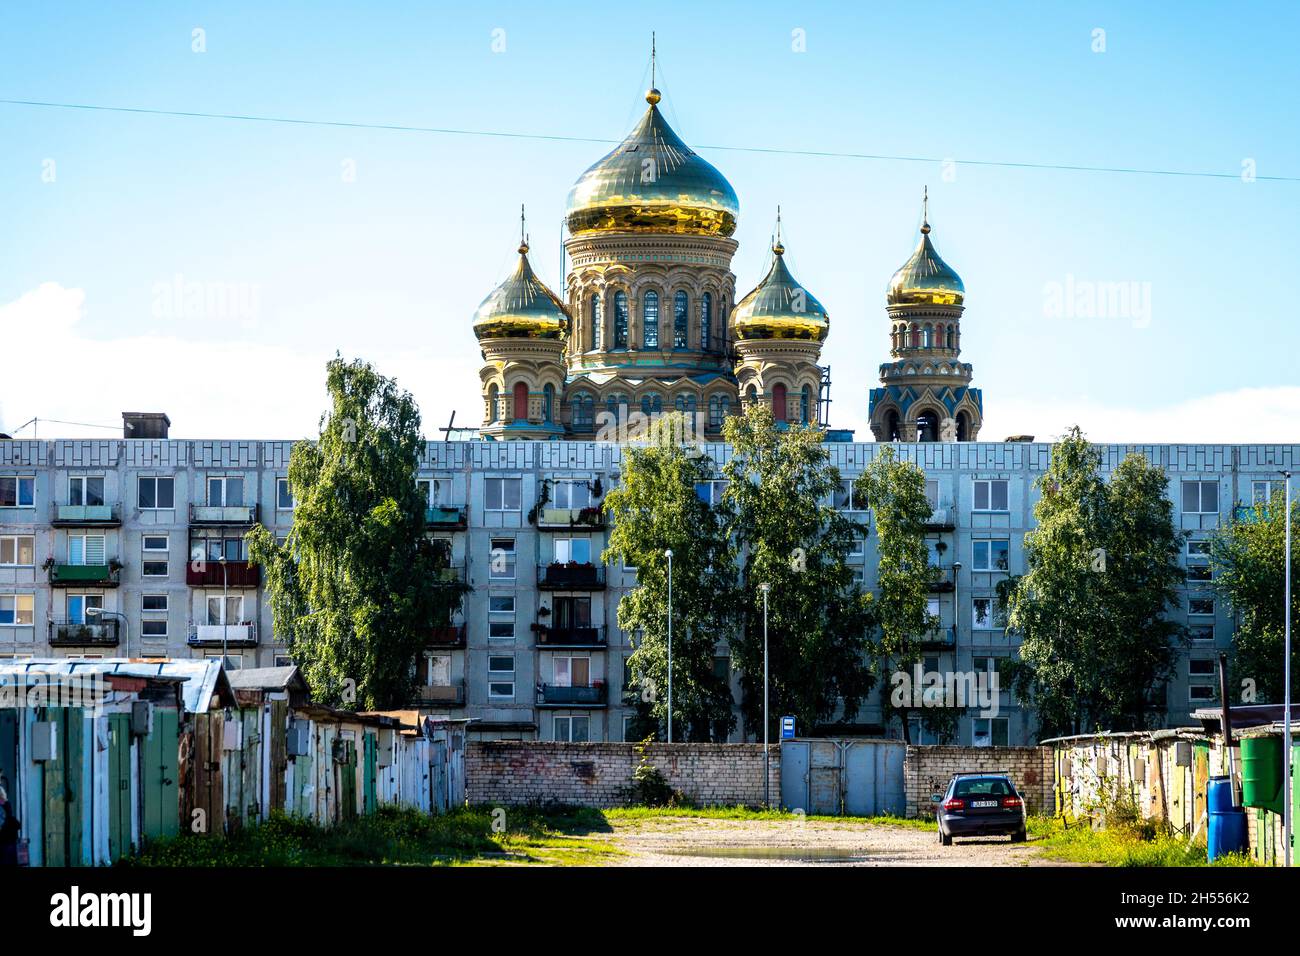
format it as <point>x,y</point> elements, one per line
<point>780,308</point>
<point>522,307</point>
<point>652,182</point>
<point>925,279</point>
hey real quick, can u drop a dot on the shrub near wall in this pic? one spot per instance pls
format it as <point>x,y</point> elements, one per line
<point>927,770</point>
<point>520,772</point>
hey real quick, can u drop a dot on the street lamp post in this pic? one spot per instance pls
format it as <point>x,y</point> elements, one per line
<point>767,771</point>
<point>669,555</point>
<point>1287,822</point>
<point>225,609</point>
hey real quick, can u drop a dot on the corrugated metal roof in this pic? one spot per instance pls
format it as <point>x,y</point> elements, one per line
<point>203,678</point>
<point>265,678</point>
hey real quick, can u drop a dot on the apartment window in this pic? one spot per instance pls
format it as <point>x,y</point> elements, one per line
<point>1198,549</point>
<point>1261,492</point>
<point>153,615</point>
<point>990,732</point>
<point>501,617</point>
<point>17,491</point>
<point>86,490</point>
<point>848,498</point>
<point>920,734</point>
<point>573,551</point>
<point>232,662</point>
<point>1199,574</point>
<point>283,496</point>
<point>932,492</point>
<point>572,671</point>
<point>501,560</point>
<point>86,549</point>
<point>989,555</point>
<point>1201,606</point>
<point>501,676</point>
<point>153,563</point>
<point>229,610</point>
<point>1202,679</point>
<point>710,492</point>
<point>17,550</point>
<point>435,491</point>
<point>502,494</point>
<point>576,730</point>
<point>986,616</point>
<point>566,493</point>
<point>16,610</point>
<point>857,546</point>
<point>226,492</point>
<point>1202,634</point>
<point>627,726</point>
<point>991,494</point>
<point>1200,497</point>
<point>157,493</point>
<point>153,602</point>
<point>232,549</point>
<point>78,606</point>
<point>572,612</point>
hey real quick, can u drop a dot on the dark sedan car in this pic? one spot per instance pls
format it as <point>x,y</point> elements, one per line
<point>980,805</point>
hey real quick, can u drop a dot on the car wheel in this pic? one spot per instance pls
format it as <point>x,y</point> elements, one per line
<point>945,839</point>
<point>1019,836</point>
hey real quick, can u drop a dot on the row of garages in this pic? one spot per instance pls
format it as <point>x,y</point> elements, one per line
<point>100,756</point>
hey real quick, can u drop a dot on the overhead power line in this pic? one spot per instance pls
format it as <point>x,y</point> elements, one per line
<point>550,137</point>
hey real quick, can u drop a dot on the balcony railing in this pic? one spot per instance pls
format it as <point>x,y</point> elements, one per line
<point>570,636</point>
<point>553,695</point>
<point>566,518</point>
<point>238,574</point>
<point>234,635</point>
<point>943,580</point>
<point>84,575</point>
<point>941,519</point>
<point>447,635</point>
<point>445,516</point>
<point>571,577</point>
<point>451,695</point>
<point>939,638</point>
<point>450,575</point>
<point>66,634</point>
<point>86,516</point>
<point>224,514</point>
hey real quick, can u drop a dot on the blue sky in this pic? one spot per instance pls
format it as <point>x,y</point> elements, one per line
<point>391,265</point>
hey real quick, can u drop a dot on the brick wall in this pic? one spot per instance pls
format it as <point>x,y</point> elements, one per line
<point>514,772</point>
<point>927,770</point>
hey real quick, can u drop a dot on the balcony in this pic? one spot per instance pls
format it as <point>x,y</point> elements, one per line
<point>553,695</point>
<point>943,581</point>
<point>570,636</point>
<point>446,636</point>
<point>566,519</point>
<point>571,577</point>
<point>224,515</point>
<point>941,638</point>
<point>208,574</point>
<point>86,516</point>
<point>941,519</point>
<point>445,516</point>
<point>233,635</point>
<point>448,695</point>
<point>85,575</point>
<point>449,576</point>
<point>65,634</point>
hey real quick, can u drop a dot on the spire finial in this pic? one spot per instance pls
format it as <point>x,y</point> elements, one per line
<point>523,232</point>
<point>652,95</point>
<point>925,211</point>
<point>777,247</point>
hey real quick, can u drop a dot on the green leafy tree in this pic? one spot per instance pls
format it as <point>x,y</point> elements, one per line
<point>895,491</point>
<point>1102,573</point>
<point>655,508</point>
<point>354,588</point>
<point>1248,560</point>
<point>779,483</point>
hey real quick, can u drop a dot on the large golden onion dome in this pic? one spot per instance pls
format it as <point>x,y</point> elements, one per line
<point>653,182</point>
<point>925,279</point>
<point>780,308</point>
<point>522,307</point>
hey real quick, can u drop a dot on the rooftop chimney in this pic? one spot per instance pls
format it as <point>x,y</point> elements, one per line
<point>145,424</point>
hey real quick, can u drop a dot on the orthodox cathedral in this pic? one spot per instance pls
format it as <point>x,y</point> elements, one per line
<point>649,320</point>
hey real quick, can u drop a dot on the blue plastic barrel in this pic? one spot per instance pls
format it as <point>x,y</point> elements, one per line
<point>1219,794</point>
<point>1227,832</point>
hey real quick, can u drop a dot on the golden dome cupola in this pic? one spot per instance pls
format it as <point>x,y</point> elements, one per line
<point>522,307</point>
<point>652,182</point>
<point>780,308</point>
<point>925,279</point>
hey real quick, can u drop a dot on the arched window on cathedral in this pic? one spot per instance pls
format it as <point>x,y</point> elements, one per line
<point>916,337</point>
<point>620,319</point>
<point>925,337</point>
<point>583,409</point>
<point>521,402</point>
<point>650,320</point>
<point>494,404</point>
<point>652,404</point>
<point>751,395</point>
<point>938,336</point>
<point>806,405</point>
<point>952,337</point>
<point>597,315</point>
<point>548,403</point>
<point>706,320</point>
<point>685,402</point>
<point>778,402</point>
<point>681,321</point>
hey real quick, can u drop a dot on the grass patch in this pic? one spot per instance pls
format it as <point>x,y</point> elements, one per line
<point>1123,846</point>
<point>634,814</point>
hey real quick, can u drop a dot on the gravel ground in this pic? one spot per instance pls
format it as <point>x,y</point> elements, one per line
<point>690,841</point>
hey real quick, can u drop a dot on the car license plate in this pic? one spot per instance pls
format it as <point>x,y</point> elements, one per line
<point>984,803</point>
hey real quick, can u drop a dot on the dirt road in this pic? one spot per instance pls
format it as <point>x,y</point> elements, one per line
<point>690,841</point>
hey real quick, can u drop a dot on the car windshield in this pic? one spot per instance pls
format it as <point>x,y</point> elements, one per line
<point>983,786</point>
